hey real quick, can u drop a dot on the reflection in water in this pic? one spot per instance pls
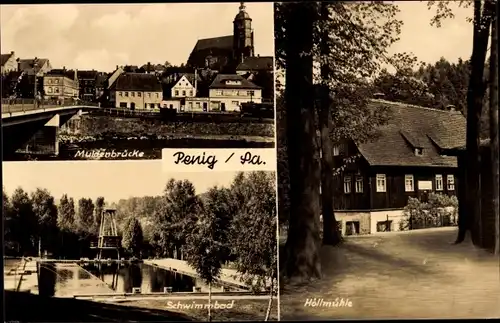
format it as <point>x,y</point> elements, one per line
<point>70,279</point>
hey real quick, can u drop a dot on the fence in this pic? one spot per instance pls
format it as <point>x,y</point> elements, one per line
<point>24,105</point>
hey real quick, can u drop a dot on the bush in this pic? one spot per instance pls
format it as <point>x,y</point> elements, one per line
<point>439,210</point>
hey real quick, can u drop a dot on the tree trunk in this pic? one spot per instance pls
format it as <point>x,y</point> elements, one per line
<point>469,219</point>
<point>331,234</point>
<point>303,242</point>
<point>40,247</point>
<point>209,302</point>
<point>494,140</point>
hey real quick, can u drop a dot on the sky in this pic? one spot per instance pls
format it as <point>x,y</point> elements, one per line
<point>101,36</point>
<point>453,40</point>
<point>114,180</point>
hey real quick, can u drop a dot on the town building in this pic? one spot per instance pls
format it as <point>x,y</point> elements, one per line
<point>87,81</point>
<point>32,66</point>
<point>256,64</point>
<point>101,86</point>
<point>8,63</point>
<point>226,52</point>
<point>404,160</point>
<point>136,91</point>
<point>185,86</point>
<point>228,92</point>
<point>61,85</point>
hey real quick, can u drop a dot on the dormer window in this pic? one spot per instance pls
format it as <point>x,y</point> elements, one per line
<point>419,151</point>
<point>233,82</point>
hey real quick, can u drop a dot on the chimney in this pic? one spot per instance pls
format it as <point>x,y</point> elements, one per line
<point>12,52</point>
<point>75,78</point>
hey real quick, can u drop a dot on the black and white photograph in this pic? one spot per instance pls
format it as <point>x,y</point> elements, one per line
<point>388,159</point>
<point>123,81</point>
<point>118,241</point>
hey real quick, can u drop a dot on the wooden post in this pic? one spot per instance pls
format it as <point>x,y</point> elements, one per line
<point>494,140</point>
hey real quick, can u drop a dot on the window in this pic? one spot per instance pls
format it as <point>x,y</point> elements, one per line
<point>336,150</point>
<point>152,105</point>
<point>197,105</point>
<point>450,181</point>
<point>120,93</point>
<point>126,93</point>
<point>183,93</point>
<point>123,104</point>
<point>381,185</point>
<point>176,92</point>
<point>149,95</point>
<point>139,94</point>
<point>132,94</point>
<point>347,184</point>
<point>384,226</point>
<point>359,184</point>
<point>157,95</point>
<point>57,81</point>
<point>190,105</point>
<point>351,228</point>
<point>419,152</point>
<point>219,92</point>
<point>49,81</point>
<point>56,90</point>
<point>235,103</point>
<point>250,93</point>
<point>409,187</point>
<point>191,93</point>
<point>50,90</point>
<point>439,182</point>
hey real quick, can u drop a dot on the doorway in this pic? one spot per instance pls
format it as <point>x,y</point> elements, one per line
<point>132,106</point>
<point>205,107</point>
<point>223,107</point>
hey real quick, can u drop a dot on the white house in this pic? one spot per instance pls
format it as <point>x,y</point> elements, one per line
<point>139,91</point>
<point>228,91</point>
<point>185,87</point>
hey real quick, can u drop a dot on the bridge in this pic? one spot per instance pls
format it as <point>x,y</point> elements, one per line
<point>22,122</point>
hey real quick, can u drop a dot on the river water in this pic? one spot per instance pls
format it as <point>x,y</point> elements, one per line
<point>62,280</point>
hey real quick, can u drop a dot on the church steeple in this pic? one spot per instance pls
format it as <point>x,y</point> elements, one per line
<point>242,35</point>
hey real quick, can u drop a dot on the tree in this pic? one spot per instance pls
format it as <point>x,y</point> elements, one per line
<point>207,245</point>
<point>11,224</point>
<point>132,239</point>
<point>46,212</point>
<point>295,22</point>
<point>25,223</point>
<point>99,207</point>
<point>66,213</point>
<point>85,217</point>
<point>253,230</point>
<point>175,217</point>
<point>482,15</point>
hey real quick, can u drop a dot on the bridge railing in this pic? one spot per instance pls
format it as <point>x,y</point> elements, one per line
<point>25,105</point>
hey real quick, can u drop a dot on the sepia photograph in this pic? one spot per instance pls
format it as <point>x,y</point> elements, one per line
<point>388,159</point>
<point>125,241</point>
<point>123,81</point>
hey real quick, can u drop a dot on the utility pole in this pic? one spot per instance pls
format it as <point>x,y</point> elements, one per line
<point>494,139</point>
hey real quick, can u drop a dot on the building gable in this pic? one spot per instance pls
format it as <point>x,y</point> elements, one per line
<point>184,82</point>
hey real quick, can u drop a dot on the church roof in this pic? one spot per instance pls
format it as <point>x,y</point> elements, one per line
<point>257,63</point>
<point>223,42</point>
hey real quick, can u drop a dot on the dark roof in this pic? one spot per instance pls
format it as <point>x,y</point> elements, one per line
<point>258,63</point>
<point>101,80</point>
<point>411,127</point>
<point>4,58</point>
<point>137,82</point>
<point>225,42</point>
<point>62,72</point>
<point>220,80</point>
<point>27,65</point>
<point>87,74</point>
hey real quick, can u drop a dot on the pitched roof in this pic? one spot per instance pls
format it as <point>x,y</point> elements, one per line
<point>61,72</point>
<point>4,58</point>
<point>87,74</point>
<point>258,63</point>
<point>190,77</point>
<point>224,42</point>
<point>137,82</point>
<point>27,65</point>
<point>220,82</point>
<point>411,127</point>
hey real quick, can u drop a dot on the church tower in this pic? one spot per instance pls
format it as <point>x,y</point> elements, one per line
<point>242,35</point>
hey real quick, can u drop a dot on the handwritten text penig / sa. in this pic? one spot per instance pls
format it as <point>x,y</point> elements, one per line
<point>219,159</point>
